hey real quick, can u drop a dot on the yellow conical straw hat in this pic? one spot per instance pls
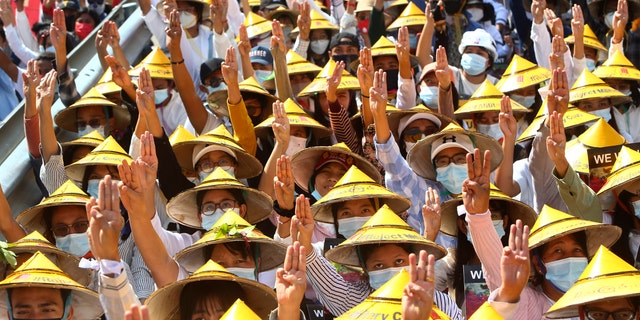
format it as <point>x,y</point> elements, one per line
<point>68,194</point>
<point>232,228</point>
<point>239,310</point>
<point>40,272</point>
<point>319,84</point>
<point>588,86</point>
<point>410,16</point>
<point>514,208</point>
<point>419,158</point>
<point>108,153</point>
<point>520,74</point>
<point>487,98</point>
<point>218,100</point>
<point>356,185</point>
<point>599,135</point>
<point>297,117</point>
<point>395,117</point>
<point>251,85</point>
<point>67,118</point>
<point>364,5</point>
<point>157,63</point>
<point>318,21</point>
<point>164,303</point>
<point>303,163</point>
<point>618,67</point>
<point>256,25</point>
<point>386,302</point>
<point>383,47</point>
<point>297,64</point>
<point>552,224</point>
<point>590,39</point>
<point>573,117</point>
<point>181,134</point>
<point>248,165</point>
<point>106,85</point>
<point>486,311</point>
<point>384,227</point>
<point>35,242</point>
<point>607,277</point>
<point>625,170</point>
<point>184,209</point>
<point>91,139</point>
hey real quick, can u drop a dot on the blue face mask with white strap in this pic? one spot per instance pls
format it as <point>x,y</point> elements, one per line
<point>93,186</point>
<point>473,64</point>
<point>246,273</point>
<point>429,95</point>
<point>379,277</point>
<point>76,244</point>
<point>565,272</point>
<point>316,195</point>
<point>348,226</point>
<point>452,177</point>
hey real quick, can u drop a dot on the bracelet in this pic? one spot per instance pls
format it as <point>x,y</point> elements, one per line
<point>288,213</point>
<point>178,62</point>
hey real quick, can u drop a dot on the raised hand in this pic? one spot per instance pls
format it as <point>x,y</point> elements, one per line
<point>365,70</point>
<point>168,6</point>
<point>114,33</point>
<point>475,189</point>
<point>119,74</point>
<point>31,79</point>
<point>402,45</point>
<point>137,189</point>
<point>537,9</point>
<point>417,296</point>
<point>102,38</point>
<point>144,93</point>
<point>443,72</point>
<point>148,154</point>
<point>280,125</point>
<point>283,183</point>
<point>230,66</point>
<point>508,123</point>
<point>620,19</point>
<point>58,31</point>
<point>174,29</point>
<point>558,97</point>
<point>558,48</point>
<point>291,281</point>
<point>105,221</point>
<point>6,13</point>
<point>554,23</point>
<point>46,91</point>
<point>334,81</point>
<point>556,143</point>
<point>277,36</point>
<point>302,224</point>
<point>514,264</point>
<point>218,14</point>
<point>577,22</point>
<point>378,95</point>
<point>304,21</point>
<point>244,46</point>
<point>137,313</point>
<point>431,214</point>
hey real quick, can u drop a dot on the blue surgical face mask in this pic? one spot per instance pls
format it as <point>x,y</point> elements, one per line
<point>246,273</point>
<point>452,177</point>
<point>526,101</point>
<point>76,244</point>
<point>473,64</point>
<point>602,113</point>
<point>626,92</point>
<point>591,64</point>
<point>492,130</point>
<point>93,186</point>
<point>262,75</point>
<point>636,208</point>
<point>51,49</point>
<point>347,227</point>
<point>565,272</point>
<point>209,220</point>
<point>413,40</point>
<point>160,95</point>
<point>316,195</point>
<point>379,277</point>
<point>429,95</point>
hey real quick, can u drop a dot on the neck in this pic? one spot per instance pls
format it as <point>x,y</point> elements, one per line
<point>193,31</point>
<point>550,291</point>
<point>475,79</point>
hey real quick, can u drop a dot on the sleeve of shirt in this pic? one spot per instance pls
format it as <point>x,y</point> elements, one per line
<point>502,14</point>
<point>274,315</point>
<point>52,173</point>
<point>613,47</point>
<point>243,131</point>
<point>143,284</point>
<point>581,201</point>
<point>301,47</point>
<point>578,66</point>
<point>444,302</point>
<point>154,22</point>
<point>191,59</point>
<point>541,44</point>
<point>17,47</point>
<point>173,242</point>
<point>24,31</point>
<point>342,128</point>
<point>235,18</point>
<point>337,9</point>
<point>116,295</point>
<point>348,23</point>
<point>67,87</point>
<point>406,98</point>
<point>541,167</point>
<point>488,247</point>
<point>335,293</point>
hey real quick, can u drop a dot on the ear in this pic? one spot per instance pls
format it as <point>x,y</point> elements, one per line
<point>537,263</point>
<point>505,221</point>
<point>70,316</point>
<point>330,54</point>
<point>243,210</point>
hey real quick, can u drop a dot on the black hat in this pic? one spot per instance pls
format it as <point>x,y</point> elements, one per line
<point>209,66</point>
<point>344,38</point>
<point>69,4</point>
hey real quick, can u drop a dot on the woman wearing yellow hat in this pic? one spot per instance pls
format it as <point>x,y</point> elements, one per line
<point>314,32</point>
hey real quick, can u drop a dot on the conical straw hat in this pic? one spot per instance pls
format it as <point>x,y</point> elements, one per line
<point>181,134</point>
<point>486,311</point>
<point>68,194</point>
<point>183,208</point>
<point>364,5</point>
<point>303,163</point>
<point>384,227</point>
<point>67,118</point>
<point>164,303</point>
<point>596,8</point>
<point>91,139</point>
<point>157,63</point>
<point>410,16</point>
<point>553,224</point>
<point>217,101</point>
<point>618,67</point>
<point>256,25</point>
<point>487,98</point>
<point>248,165</point>
<point>588,86</point>
<point>297,64</point>
<point>106,85</point>
<point>40,272</point>
<point>108,153</point>
<point>232,228</point>
<point>319,84</point>
<point>514,208</point>
<point>419,158</point>
<point>386,302</point>
<point>395,116</point>
<point>251,85</point>
<point>239,310</point>
<point>318,21</point>
<point>356,185</point>
<point>297,117</point>
<point>607,277</point>
<point>573,117</point>
<point>520,74</point>
<point>599,135</point>
<point>590,39</point>
<point>626,170</point>
<point>35,242</point>
<point>383,47</point>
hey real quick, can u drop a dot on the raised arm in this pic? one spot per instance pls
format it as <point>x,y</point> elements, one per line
<point>365,79</point>
<point>244,46</point>
<point>378,96</point>
<point>44,99</point>
<point>509,127</point>
<point>10,228</point>
<point>30,80</point>
<point>423,51</point>
<point>417,296</point>
<point>243,132</point>
<point>278,51</point>
<point>281,131</point>
<point>443,74</point>
<point>431,214</point>
<point>514,264</point>
<point>291,282</point>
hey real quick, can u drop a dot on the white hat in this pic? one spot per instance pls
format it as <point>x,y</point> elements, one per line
<point>406,120</point>
<point>200,150</point>
<point>478,38</point>
<point>451,141</point>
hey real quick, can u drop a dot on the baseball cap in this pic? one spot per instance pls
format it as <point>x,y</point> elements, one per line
<point>454,140</point>
<point>69,4</point>
<point>344,38</point>
<point>261,55</point>
<point>209,66</point>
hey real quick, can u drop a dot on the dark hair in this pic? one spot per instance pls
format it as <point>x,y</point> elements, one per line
<point>238,248</point>
<point>226,292</point>
<point>64,294</point>
<point>237,195</point>
<point>94,16</point>
<point>334,213</point>
<point>581,239</point>
<point>366,250</point>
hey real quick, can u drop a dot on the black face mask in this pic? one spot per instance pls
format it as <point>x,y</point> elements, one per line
<point>347,58</point>
<point>392,80</point>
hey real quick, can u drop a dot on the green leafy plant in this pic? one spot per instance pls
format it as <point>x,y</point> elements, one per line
<point>7,256</point>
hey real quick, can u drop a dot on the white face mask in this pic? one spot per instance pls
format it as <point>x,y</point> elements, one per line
<point>608,19</point>
<point>188,20</point>
<point>626,92</point>
<point>295,144</point>
<point>209,219</point>
<point>262,75</point>
<point>246,273</point>
<point>476,14</point>
<point>379,277</point>
<point>492,130</point>
<point>602,113</point>
<point>409,145</point>
<point>319,46</point>
<point>347,227</point>
<point>265,42</point>
<point>526,101</point>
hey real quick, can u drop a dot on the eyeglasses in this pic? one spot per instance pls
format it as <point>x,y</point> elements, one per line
<point>443,161</point>
<point>207,166</point>
<point>623,314</point>
<point>187,9</point>
<point>209,208</point>
<point>415,134</point>
<point>93,123</point>
<point>61,230</point>
<point>214,82</point>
